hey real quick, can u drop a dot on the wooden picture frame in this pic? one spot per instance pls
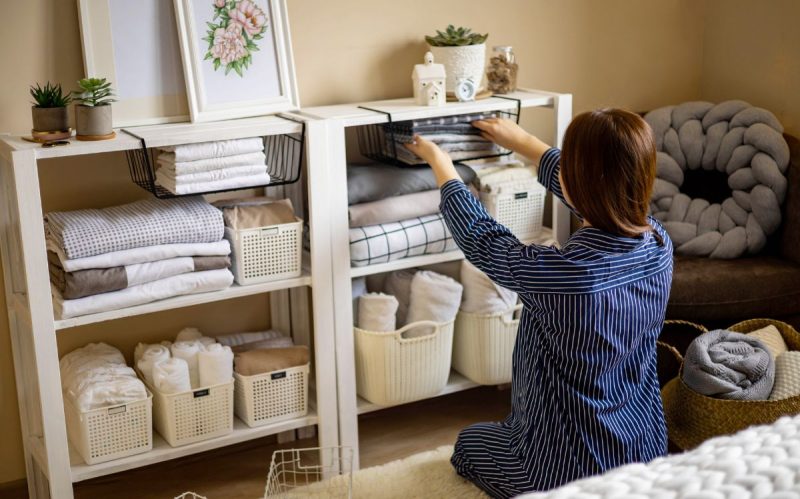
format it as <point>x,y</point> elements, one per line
<point>237,58</point>
<point>135,45</point>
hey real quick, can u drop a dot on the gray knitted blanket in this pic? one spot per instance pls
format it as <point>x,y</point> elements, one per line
<point>729,365</point>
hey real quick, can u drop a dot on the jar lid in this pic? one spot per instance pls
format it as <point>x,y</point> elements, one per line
<point>502,48</point>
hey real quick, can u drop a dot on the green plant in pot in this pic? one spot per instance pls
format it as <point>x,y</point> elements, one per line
<point>49,109</point>
<point>462,52</point>
<point>93,111</point>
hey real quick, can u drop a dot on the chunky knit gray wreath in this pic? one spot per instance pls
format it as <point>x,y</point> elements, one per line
<point>721,176</point>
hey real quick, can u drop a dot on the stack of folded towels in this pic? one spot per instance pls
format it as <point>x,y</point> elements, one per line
<point>212,166</point>
<point>112,258</point>
<point>96,376</point>
<point>394,213</point>
<point>736,366</point>
<point>264,352</point>
<point>453,134</point>
<point>408,296</point>
<point>192,361</point>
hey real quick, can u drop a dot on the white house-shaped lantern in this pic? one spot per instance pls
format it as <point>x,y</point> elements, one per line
<point>429,78</point>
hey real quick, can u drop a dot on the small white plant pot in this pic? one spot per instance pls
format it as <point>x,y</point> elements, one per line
<point>93,120</point>
<point>468,61</point>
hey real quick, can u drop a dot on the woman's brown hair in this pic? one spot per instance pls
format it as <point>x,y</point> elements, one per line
<point>608,166</point>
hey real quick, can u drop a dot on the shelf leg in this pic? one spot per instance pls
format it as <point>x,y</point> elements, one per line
<point>562,109</point>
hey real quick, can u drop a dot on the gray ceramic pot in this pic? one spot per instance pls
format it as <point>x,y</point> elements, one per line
<point>50,119</point>
<point>93,120</point>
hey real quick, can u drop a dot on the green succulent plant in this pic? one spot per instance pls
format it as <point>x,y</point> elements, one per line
<point>94,92</point>
<point>49,96</point>
<point>455,37</point>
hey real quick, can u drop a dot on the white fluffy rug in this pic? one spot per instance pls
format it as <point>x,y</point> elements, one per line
<point>425,475</point>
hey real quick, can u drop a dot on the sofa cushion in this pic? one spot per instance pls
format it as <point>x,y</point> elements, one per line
<point>705,290</point>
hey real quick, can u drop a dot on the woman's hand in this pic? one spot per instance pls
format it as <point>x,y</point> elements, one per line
<point>509,135</point>
<point>439,160</point>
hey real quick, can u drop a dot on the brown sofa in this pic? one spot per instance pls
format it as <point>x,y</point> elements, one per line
<point>718,293</point>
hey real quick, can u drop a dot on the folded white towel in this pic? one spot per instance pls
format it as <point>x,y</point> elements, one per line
<point>481,295</point>
<point>188,350</point>
<point>236,339</point>
<point>110,392</point>
<point>212,175</point>
<point>152,355</point>
<point>377,312</point>
<point>398,284</point>
<point>215,185</point>
<point>434,297</point>
<point>216,149</point>
<point>167,160</point>
<point>91,352</point>
<point>172,376</point>
<point>188,334</point>
<point>215,365</point>
<point>772,339</point>
<point>787,376</point>
<point>139,255</point>
<point>76,382</point>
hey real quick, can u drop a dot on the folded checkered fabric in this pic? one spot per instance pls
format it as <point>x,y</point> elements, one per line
<point>149,222</point>
<point>392,241</point>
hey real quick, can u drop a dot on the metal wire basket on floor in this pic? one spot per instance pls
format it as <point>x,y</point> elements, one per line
<point>296,473</point>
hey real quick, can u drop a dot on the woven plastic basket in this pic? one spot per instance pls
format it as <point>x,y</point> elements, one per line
<point>693,418</point>
<point>266,253</point>
<point>271,397</point>
<point>110,433</point>
<point>393,370</point>
<point>519,205</point>
<point>483,346</point>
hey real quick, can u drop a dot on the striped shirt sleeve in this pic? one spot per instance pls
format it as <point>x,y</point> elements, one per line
<point>486,244</point>
<point>549,167</point>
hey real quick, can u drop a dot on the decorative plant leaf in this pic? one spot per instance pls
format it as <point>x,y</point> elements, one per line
<point>216,63</point>
<point>455,37</point>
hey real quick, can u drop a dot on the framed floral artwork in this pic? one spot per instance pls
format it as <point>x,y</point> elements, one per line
<point>135,45</point>
<point>237,58</point>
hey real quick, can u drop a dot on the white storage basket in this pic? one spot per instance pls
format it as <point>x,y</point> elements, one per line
<point>393,370</point>
<point>110,433</point>
<point>271,397</point>
<point>195,415</point>
<point>266,253</point>
<point>519,205</point>
<point>483,346</point>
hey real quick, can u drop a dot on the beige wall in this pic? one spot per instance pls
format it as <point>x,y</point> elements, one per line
<point>752,52</point>
<point>633,53</point>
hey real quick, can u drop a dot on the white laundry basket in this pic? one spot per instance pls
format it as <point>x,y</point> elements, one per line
<point>484,344</point>
<point>393,370</point>
<point>519,205</point>
<point>195,415</point>
<point>266,253</point>
<point>312,472</point>
<point>271,397</point>
<point>110,433</point>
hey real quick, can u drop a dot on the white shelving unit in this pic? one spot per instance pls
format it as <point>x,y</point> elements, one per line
<point>51,467</point>
<point>337,119</point>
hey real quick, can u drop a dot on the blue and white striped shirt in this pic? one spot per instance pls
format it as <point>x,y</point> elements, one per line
<point>585,393</point>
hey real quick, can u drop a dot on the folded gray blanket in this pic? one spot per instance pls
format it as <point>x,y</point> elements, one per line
<point>729,365</point>
<point>367,183</point>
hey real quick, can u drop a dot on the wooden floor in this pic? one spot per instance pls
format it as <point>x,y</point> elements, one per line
<point>240,471</point>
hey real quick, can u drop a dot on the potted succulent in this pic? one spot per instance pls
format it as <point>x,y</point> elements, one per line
<point>93,111</point>
<point>49,110</point>
<point>462,52</point>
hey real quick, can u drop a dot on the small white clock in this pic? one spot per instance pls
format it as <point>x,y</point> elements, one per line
<point>465,89</point>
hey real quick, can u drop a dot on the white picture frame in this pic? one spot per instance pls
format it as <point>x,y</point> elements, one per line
<point>134,44</point>
<point>263,84</point>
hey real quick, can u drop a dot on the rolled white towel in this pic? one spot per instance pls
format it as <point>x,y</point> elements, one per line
<point>215,365</point>
<point>481,295</point>
<point>152,355</point>
<point>188,334</point>
<point>434,297</point>
<point>188,350</point>
<point>172,376</point>
<point>377,312</point>
<point>138,351</point>
<point>207,341</point>
<point>398,284</point>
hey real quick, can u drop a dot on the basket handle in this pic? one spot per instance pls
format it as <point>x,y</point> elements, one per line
<point>414,325</point>
<point>514,310</point>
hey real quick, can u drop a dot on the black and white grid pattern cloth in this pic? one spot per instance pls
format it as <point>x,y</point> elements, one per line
<point>149,222</point>
<point>392,241</point>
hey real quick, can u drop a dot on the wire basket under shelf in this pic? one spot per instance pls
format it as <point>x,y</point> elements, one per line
<point>316,471</point>
<point>284,153</point>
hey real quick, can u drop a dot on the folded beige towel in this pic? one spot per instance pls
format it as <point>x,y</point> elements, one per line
<point>771,338</point>
<point>787,376</point>
<point>279,342</point>
<point>268,360</point>
<point>377,312</point>
<point>253,212</point>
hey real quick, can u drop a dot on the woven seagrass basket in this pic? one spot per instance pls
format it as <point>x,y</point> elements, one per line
<point>668,362</point>
<point>693,418</point>
<point>680,334</point>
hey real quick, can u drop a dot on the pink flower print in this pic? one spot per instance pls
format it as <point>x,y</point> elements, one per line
<point>249,16</point>
<point>229,44</point>
<point>220,3</point>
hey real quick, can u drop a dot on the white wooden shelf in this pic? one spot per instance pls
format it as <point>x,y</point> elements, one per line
<point>456,383</point>
<point>235,291</point>
<point>162,451</point>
